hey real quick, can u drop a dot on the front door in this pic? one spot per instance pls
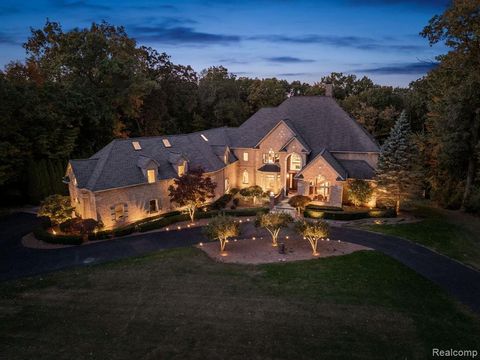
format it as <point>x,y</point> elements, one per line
<point>291,182</point>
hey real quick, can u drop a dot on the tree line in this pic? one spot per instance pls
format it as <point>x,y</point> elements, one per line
<point>77,90</point>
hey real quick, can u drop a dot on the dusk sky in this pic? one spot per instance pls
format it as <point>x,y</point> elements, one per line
<point>293,40</point>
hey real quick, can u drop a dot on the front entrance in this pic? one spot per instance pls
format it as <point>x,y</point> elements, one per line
<point>291,185</point>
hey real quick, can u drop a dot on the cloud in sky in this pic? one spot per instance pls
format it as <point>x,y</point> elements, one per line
<point>79,4</point>
<point>288,59</point>
<point>356,42</point>
<point>292,74</point>
<point>182,35</point>
<point>400,69</point>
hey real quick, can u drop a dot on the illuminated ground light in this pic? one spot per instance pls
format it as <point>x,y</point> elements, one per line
<point>253,238</point>
<point>235,240</point>
<point>248,219</point>
<point>328,239</point>
<point>377,222</point>
<point>178,227</point>
<point>188,226</point>
<point>223,253</point>
<point>286,237</point>
<point>339,241</point>
<point>316,253</point>
<point>200,244</point>
<point>54,232</point>
<point>240,221</point>
<point>167,229</point>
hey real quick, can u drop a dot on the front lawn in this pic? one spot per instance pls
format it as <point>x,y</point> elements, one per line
<point>442,231</point>
<point>179,304</point>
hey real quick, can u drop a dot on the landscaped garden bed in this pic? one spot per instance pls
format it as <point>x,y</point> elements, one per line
<point>47,235</point>
<point>327,213</point>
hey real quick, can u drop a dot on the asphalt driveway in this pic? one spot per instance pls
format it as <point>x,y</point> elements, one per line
<point>16,261</point>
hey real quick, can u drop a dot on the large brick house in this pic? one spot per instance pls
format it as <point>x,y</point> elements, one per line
<point>307,145</point>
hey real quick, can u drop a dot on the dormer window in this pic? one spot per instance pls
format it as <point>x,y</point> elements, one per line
<point>136,145</point>
<point>151,176</point>
<point>166,143</point>
<point>182,168</point>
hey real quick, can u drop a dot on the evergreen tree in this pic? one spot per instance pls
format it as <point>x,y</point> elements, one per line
<point>397,174</point>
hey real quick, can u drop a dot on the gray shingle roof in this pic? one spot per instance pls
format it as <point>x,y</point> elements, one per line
<point>319,123</point>
<point>358,169</point>
<point>270,168</point>
<point>82,170</point>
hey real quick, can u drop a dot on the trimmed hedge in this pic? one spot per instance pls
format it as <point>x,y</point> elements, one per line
<point>351,215</point>
<point>322,208</point>
<point>221,202</point>
<point>42,234</point>
<point>162,222</point>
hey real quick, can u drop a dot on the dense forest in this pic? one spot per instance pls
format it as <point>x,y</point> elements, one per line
<point>77,90</point>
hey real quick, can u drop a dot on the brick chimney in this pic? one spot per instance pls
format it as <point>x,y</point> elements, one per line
<point>329,90</point>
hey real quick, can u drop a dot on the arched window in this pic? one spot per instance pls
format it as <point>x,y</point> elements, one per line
<point>245,177</point>
<point>295,162</point>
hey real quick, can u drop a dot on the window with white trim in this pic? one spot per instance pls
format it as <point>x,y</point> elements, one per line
<point>245,177</point>
<point>245,156</point>
<point>271,157</point>
<point>295,162</point>
<point>151,176</point>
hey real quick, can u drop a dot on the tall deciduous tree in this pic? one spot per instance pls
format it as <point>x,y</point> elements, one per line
<point>192,190</point>
<point>397,173</point>
<point>454,118</point>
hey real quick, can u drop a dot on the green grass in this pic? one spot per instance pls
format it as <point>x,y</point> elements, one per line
<point>440,231</point>
<point>179,304</point>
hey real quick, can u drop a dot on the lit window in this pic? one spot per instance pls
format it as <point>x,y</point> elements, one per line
<point>225,159</point>
<point>75,181</point>
<point>245,156</point>
<point>181,169</point>
<point>151,176</point>
<point>153,206</point>
<point>166,143</point>
<point>270,157</point>
<point>136,145</point>
<point>295,162</point>
<point>119,212</point>
<point>245,177</point>
<point>320,189</point>
<point>204,137</point>
<point>270,182</point>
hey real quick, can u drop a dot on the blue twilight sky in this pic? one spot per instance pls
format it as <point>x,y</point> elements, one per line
<point>293,40</point>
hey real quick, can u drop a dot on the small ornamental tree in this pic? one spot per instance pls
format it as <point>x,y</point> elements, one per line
<point>359,192</point>
<point>313,231</point>
<point>192,190</point>
<point>299,202</point>
<point>273,222</point>
<point>252,192</point>
<point>222,228</point>
<point>57,208</point>
<point>397,174</point>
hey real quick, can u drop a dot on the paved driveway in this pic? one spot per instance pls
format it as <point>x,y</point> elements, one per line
<point>16,261</point>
